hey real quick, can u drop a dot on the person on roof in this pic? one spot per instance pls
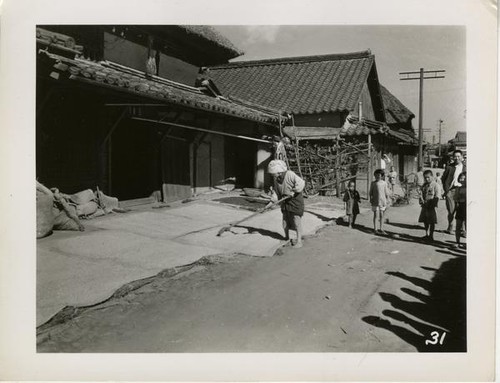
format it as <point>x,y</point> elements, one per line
<point>288,184</point>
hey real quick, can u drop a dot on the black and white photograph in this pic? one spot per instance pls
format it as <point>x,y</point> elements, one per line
<point>244,201</point>
<point>236,188</point>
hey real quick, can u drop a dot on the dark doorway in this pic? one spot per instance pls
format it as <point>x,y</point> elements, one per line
<point>241,161</point>
<point>134,152</point>
<point>175,169</point>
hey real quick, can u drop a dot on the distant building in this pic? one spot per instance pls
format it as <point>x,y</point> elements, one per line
<point>459,142</point>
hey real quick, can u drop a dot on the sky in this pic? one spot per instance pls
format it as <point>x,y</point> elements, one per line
<point>396,49</point>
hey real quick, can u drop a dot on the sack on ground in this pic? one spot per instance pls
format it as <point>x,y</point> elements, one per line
<point>105,202</point>
<point>82,197</point>
<point>44,215</point>
<point>86,209</point>
<point>62,221</point>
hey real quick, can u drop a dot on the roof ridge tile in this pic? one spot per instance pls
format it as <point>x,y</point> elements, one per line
<point>296,59</point>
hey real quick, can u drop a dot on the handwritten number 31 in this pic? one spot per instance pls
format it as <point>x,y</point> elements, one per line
<point>435,338</point>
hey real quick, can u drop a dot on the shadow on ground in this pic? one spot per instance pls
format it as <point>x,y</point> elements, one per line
<point>405,225</point>
<point>442,310</point>
<point>264,232</point>
<point>403,237</point>
<point>320,216</point>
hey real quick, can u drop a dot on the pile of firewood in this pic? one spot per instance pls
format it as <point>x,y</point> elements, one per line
<point>326,166</point>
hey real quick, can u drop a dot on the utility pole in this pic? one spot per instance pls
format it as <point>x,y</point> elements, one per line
<point>439,147</point>
<point>411,76</point>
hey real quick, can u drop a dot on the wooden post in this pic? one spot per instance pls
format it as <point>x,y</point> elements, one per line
<point>110,166</point>
<point>369,171</point>
<point>297,156</point>
<point>369,163</point>
<point>420,116</point>
<point>337,168</point>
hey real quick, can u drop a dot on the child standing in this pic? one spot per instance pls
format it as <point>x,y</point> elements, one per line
<point>428,200</point>
<point>352,199</point>
<point>461,208</point>
<point>379,199</point>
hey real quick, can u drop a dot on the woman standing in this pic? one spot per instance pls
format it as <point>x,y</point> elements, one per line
<point>288,184</point>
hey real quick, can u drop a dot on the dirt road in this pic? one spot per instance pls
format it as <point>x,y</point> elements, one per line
<point>345,290</point>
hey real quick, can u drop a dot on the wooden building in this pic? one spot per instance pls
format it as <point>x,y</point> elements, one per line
<point>117,108</point>
<point>320,91</point>
<point>403,144</point>
<point>323,94</point>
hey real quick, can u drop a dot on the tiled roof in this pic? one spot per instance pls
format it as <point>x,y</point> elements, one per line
<point>129,80</point>
<point>311,132</point>
<point>352,127</point>
<point>309,84</point>
<point>403,136</point>
<point>460,138</point>
<point>395,111</point>
<point>57,40</point>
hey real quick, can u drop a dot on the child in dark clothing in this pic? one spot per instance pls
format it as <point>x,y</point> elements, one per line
<point>429,200</point>
<point>351,199</point>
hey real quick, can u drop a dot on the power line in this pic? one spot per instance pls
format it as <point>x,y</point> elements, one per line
<point>422,75</point>
<point>433,91</point>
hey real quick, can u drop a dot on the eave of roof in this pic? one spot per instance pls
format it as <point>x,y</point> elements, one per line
<point>353,127</point>
<point>126,79</point>
<point>311,132</point>
<point>403,137</point>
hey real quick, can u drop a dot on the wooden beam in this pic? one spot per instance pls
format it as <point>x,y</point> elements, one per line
<point>201,130</point>
<point>114,126</point>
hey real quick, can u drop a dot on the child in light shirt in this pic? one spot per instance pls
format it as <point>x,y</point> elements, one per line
<point>379,199</point>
